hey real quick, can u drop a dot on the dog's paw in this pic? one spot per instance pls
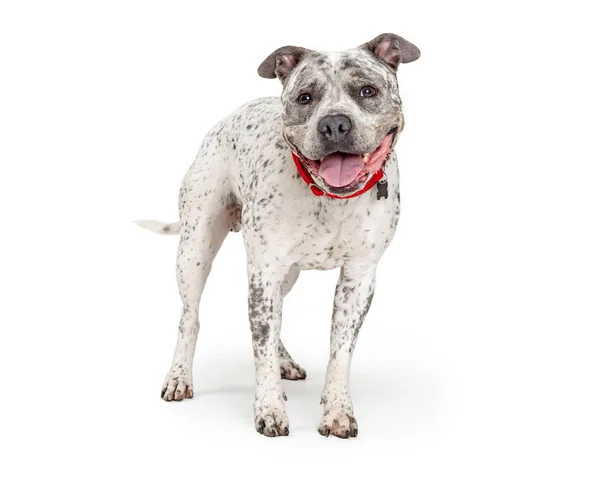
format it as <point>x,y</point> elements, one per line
<point>177,387</point>
<point>291,370</point>
<point>271,419</point>
<point>340,423</point>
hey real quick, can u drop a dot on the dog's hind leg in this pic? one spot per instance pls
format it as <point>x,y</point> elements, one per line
<point>289,368</point>
<point>205,222</point>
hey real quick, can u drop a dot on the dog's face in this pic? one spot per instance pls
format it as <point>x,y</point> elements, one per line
<point>342,111</point>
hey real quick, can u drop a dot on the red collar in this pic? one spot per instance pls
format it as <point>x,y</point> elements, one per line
<point>317,191</point>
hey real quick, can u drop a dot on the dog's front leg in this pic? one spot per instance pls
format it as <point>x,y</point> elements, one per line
<point>265,299</point>
<point>353,295</point>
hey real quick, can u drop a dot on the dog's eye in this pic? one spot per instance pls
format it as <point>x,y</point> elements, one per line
<point>368,91</point>
<point>304,99</point>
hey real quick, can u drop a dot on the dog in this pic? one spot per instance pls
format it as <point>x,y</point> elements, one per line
<point>311,180</point>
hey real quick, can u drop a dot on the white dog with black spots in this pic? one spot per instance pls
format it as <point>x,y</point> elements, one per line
<point>311,180</point>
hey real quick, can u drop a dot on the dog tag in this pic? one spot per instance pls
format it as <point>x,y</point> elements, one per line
<point>382,188</point>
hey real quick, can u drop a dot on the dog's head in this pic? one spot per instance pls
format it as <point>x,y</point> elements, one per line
<point>342,111</point>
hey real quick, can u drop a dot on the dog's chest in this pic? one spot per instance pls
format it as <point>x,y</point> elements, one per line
<point>322,247</point>
<point>328,237</point>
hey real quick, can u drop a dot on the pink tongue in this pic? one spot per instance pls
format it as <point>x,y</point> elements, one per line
<point>340,169</point>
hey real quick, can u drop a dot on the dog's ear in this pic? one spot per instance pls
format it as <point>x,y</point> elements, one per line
<point>392,49</point>
<point>281,62</point>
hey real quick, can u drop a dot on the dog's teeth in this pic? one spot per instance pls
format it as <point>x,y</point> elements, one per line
<point>365,158</point>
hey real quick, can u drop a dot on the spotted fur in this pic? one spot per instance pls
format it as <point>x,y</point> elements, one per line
<point>244,178</point>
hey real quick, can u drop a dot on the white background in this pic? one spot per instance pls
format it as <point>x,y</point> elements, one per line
<point>479,358</point>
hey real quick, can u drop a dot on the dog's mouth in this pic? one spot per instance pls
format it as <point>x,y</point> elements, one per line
<point>344,172</point>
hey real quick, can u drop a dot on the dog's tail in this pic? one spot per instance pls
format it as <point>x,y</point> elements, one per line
<point>160,228</point>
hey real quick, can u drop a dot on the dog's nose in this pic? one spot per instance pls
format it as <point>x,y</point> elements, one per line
<point>335,127</point>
